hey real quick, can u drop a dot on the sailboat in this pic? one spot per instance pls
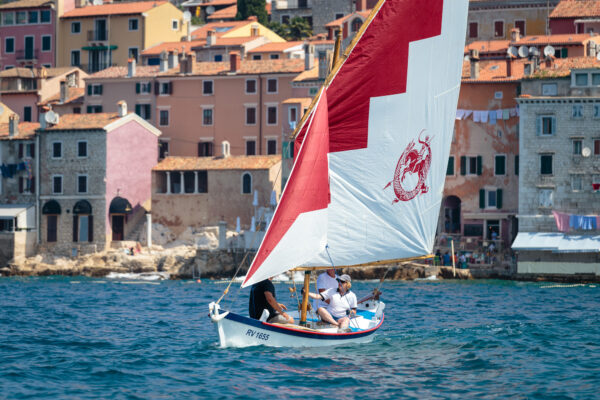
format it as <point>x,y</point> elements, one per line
<point>368,178</point>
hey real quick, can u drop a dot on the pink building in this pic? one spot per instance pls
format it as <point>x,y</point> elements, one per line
<point>28,34</point>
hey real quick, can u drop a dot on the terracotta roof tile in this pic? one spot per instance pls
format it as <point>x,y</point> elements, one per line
<point>338,22</point>
<point>218,3</point>
<point>309,75</point>
<point>221,28</point>
<point>113,9</point>
<point>21,72</point>
<point>26,4</point>
<point>217,163</point>
<point>172,46</point>
<point>26,130</point>
<point>141,71</point>
<point>72,122</point>
<point>74,95</point>
<point>228,41</point>
<point>247,67</point>
<point>561,67</point>
<point>275,47</point>
<point>488,46</point>
<point>576,9</point>
<point>224,13</point>
<point>570,38</point>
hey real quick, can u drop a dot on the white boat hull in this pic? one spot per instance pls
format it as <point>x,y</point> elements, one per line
<point>238,331</point>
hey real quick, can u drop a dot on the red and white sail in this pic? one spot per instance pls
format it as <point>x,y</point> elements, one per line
<point>390,114</point>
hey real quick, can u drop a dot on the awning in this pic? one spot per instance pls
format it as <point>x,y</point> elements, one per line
<point>51,207</point>
<point>12,210</point>
<point>557,242</point>
<point>119,205</point>
<point>92,48</point>
<point>82,207</point>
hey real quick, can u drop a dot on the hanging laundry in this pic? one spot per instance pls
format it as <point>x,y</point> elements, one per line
<point>505,114</point>
<point>517,110</point>
<point>29,168</point>
<point>513,112</point>
<point>21,166</point>
<point>12,170</point>
<point>468,113</point>
<point>484,116</point>
<point>492,118</point>
<point>498,115</point>
<point>588,223</point>
<point>4,170</point>
<point>575,221</point>
<point>476,116</point>
<point>562,221</point>
<point>460,114</point>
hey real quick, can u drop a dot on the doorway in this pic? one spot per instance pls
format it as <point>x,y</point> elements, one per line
<point>118,227</point>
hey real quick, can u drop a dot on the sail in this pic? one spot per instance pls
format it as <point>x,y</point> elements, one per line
<point>302,211</point>
<point>391,110</point>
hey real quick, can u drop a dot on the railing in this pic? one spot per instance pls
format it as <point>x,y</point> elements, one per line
<point>99,35</point>
<point>91,68</point>
<point>546,180</point>
<point>291,4</point>
<point>27,55</point>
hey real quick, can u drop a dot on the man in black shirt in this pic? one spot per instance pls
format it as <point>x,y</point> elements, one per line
<point>262,296</point>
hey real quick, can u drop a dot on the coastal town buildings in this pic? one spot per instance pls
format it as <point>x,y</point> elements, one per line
<point>96,37</point>
<point>232,29</point>
<point>23,89</point>
<point>348,25</point>
<point>575,16</point>
<point>201,191</point>
<point>204,8</point>
<point>559,183</point>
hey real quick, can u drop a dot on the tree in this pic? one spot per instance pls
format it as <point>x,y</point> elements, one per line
<point>298,29</point>
<point>280,29</point>
<point>247,8</point>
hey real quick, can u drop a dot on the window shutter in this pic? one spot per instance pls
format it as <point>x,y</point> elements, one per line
<point>33,184</point>
<point>20,150</point>
<point>170,87</point>
<point>75,232</point>
<point>138,109</point>
<point>137,87</point>
<point>517,165</point>
<point>481,198</point>
<point>538,126</point>
<point>148,112</point>
<point>32,150</point>
<point>89,90</point>
<point>99,89</point>
<point>463,165</point>
<point>90,228</point>
<point>21,184</point>
<point>498,198</point>
<point>553,128</point>
<point>479,165</point>
<point>450,168</point>
<point>156,88</point>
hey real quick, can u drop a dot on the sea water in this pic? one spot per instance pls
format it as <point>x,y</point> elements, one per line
<point>82,338</point>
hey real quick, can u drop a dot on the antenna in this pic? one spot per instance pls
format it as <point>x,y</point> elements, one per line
<point>549,51</point>
<point>586,152</point>
<point>523,51</point>
<point>512,51</point>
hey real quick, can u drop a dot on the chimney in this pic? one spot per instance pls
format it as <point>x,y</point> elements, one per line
<point>361,5</point>
<point>515,35</point>
<point>122,106</point>
<point>164,61</point>
<point>254,30</point>
<point>324,63</point>
<point>63,91</point>
<point>225,148</point>
<point>234,61</point>
<point>190,62</point>
<point>13,125</point>
<point>549,62</point>
<point>173,59</point>
<point>509,63</point>
<point>131,67</point>
<point>183,60</point>
<point>211,38</point>
<point>309,56</point>
<point>474,57</point>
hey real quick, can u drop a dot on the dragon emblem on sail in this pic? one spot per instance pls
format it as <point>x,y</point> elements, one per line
<point>412,161</point>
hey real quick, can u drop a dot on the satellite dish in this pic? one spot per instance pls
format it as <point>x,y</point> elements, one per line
<point>512,51</point>
<point>533,51</point>
<point>51,117</point>
<point>210,10</point>
<point>97,2</point>
<point>187,16</point>
<point>523,51</point>
<point>549,51</point>
<point>586,152</point>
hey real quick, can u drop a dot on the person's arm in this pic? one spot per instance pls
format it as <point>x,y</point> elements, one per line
<point>276,306</point>
<point>319,298</point>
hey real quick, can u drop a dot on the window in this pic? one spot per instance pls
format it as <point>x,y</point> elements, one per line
<point>207,116</point>
<point>57,150</point>
<point>356,24</point>
<point>202,182</point>
<point>577,111</point>
<point>581,79</point>
<point>274,56</point>
<point>27,114</point>
<point>33,17</point>
<point>285,19</point>
<point>498,95</point>
<point>46,43</point>
<point>546,164</point>
<point>133,24</point>
<point>57,184</point>
<point>82,149</point>
<point>256,57</point>
<point>247,183</point>
<point>82,184</point>
<point>272,85</point>
<point>576,183</point>
<point>595,79</point>
<point>94,89</point>
<point>165,88</point>
<point>174,24</point>
<point>75,58</point>
<point>218,57</point>
<point>271,146</point>
<point>250,147</point>
<point>75,27</point>
<point>189,182</point>
<point>549,89</point>
<point>205,149</point>
<point>271,115</point>
<point>546,125</point>
<point>473,30</point>
<point>250,115</point>
<point>450,168</point>
<point>26,185</point>
<point>8,18</point>
<point>471,165</point>
<point>21,17</point>
<point>45,16</point>
<point>520,25</point>
<point>133,52</point>
<point>597,147</point>
<point>500,165</point>
<point>94,109</point>
<point>144,111</point>
<point>250,86</point>
<point>577,147</point>
<point>498,28</point>
<point>490,198</point>
<point>546,198</point>
<point>163,117</point>
<point>26,150</point>
<point>596,110</point>
<point>292,115</point>
<point>9,45</point>
<point>338,16</point>
<point>163,149</point>
<point>207,87</point>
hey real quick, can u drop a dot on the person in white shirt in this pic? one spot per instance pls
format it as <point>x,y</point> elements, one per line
<point>342,303</point>
<point>326,280</point>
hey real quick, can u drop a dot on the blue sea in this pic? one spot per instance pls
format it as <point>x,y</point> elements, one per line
<point>83,338</point>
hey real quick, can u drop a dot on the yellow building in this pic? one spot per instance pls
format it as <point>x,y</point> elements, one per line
<point>99,36</point>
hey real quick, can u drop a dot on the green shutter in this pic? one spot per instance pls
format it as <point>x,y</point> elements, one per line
<point>99,89</point>
<point>137,87</point>
<point>463,165</point>
<point>517,165</point>
<point>498,198</point>
<point>553,128</point>
<point>89,90</point>
<point>479,165</point>
<point>138,109</point>
<point>481,198</point>
<point>538,126</point>
<point>450,168</point>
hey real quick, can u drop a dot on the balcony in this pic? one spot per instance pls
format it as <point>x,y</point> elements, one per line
<point>97,35</point>
<point>292,4</point>
<point>546,181</point>
<point>91,68</point>
<point>27,55</point>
